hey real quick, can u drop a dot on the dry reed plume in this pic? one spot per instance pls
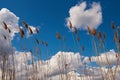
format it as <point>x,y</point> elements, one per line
<point>37,72</point>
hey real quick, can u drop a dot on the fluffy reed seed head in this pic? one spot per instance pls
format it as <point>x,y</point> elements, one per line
<point>112,25</point>
<point>4,25</point>
<point>70,25</point>
<point>21,32</point>
<point>83,48</point>
<point>78,38</point>
<point>58,35</point>
<point>30,30</point>
<point>4,37</point>
<point>104,35</point>
<point>9,30</point>
<point>118,40</point>
<point>116,34</point>
<point>37,30</point>
<point>37,41</point>
<point>89,31</point>
<point>25,24</point>
<point>94,32</point>
<point>114,38</point>
<point>75,30</point>
<point>99,35</point>
<point>37,50</point>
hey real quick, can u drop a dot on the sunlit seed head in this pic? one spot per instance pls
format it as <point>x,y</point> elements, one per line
<point>25,24</point>
<point>30,30</point>
<point>37,30</point>
<point>21,32</point>
<point>83,48</point>
<point>75,30</point>
<point>4,25</point>
<point>9,30</point>
<point>93,31</point>
<point>114,39</point>
<point>112,25</point>
<point>116,34</point>
<point>58,35</point>
<point>70,25</point>
<point>37,50</point>
<point>37,41</point>
<point>4,37</point>
<point>99,35</point>
<point>89,31</point>
<point>78,38</point>
<point>119,40</point>
<point>104,35</point>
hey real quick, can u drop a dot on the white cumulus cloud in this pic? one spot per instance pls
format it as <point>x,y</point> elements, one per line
<point>106,58</point>
<point>11,20</point>
<point>12,23</point>
<point>69,65</point>
<point>81,16</point>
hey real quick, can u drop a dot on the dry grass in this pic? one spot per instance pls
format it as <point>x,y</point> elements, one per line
<point>21,32</point>
<point>98,38</point>
<point>4,25</point>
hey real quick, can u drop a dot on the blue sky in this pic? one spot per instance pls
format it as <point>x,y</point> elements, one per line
<point>50,15</point>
